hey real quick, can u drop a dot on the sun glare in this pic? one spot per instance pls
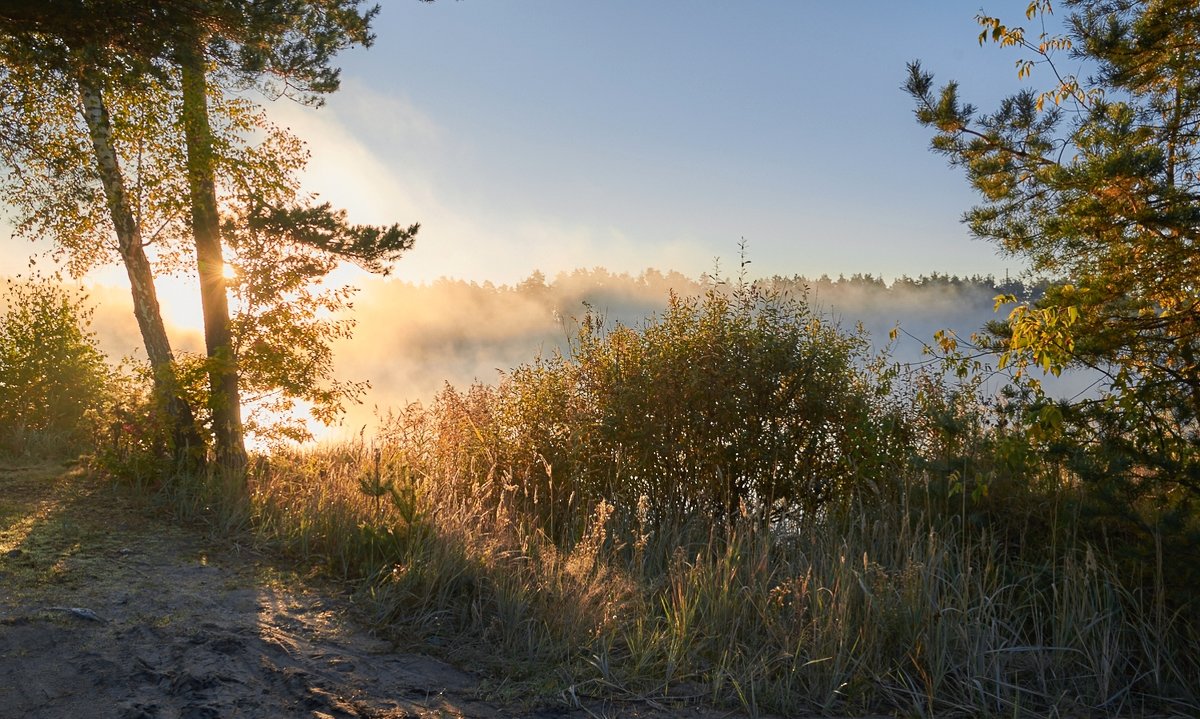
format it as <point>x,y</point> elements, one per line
<point>229,272</point>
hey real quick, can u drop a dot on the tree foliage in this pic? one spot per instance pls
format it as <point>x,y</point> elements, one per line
<point>1096,180</point>
<point>54,381</point>
<point>52,190</point>
<point>196,179</point>
<point>286,46</point>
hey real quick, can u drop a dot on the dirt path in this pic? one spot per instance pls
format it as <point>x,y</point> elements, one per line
<point>108,610</point>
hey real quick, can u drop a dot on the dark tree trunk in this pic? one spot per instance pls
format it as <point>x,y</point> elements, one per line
<point>224,399</point>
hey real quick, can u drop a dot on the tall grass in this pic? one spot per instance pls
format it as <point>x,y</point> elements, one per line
<point>20,442</point>
<point>884,608</point>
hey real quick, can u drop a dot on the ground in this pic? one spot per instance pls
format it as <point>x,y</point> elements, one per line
<point>109,609</point>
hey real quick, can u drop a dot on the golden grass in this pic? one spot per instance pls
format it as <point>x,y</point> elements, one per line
<point>877,609</point>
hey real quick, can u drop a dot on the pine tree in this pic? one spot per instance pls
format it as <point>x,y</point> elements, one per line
<point>1096,182</point>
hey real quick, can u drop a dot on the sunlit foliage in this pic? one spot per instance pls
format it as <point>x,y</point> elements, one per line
<point>1095,179</point>
<point>54,382</point>
<point>729,402</point>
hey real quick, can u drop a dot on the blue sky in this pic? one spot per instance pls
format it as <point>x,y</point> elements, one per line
<point>554,134</point>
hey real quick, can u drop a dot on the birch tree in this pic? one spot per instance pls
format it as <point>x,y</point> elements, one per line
<point>174,49</point>
<point>65,180</point>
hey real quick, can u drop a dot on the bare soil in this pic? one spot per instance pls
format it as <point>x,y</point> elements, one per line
<point>110,609</point>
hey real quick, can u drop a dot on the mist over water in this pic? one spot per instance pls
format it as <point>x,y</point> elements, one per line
<point>413,339</point>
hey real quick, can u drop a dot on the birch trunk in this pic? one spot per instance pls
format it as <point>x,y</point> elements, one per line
<point>188,443</point>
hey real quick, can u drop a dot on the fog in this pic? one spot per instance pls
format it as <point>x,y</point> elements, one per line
<point>412,339</point>
<point>116,330</point>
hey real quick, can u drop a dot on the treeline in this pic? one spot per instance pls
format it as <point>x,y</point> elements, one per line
<point>413,338</point>
<point>598,283</point>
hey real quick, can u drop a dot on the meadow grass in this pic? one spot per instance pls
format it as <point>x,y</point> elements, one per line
<point>885,607</point>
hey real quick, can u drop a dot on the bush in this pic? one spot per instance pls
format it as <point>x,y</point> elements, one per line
<point>53,379</point>
<point>729,402</point>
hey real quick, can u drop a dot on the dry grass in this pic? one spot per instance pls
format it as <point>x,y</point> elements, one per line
<point>737,506</point>
<point>883,609</point>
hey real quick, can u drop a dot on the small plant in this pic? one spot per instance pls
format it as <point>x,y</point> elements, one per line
<point>394,481</point>
<point>374,483</point>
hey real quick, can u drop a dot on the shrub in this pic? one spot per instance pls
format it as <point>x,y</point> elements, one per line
<point>54,380</point>
<point>729,402</point>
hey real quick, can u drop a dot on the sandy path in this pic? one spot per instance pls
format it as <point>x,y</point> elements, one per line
<point>171,627</point>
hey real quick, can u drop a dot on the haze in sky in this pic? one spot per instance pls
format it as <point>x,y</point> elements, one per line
<point>630,134</point>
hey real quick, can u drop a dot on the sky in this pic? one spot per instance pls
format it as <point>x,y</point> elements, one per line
<point>549,134</point>
<point>556,134</point>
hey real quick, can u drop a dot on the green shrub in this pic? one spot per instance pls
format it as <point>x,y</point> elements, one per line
<point>54,380</point>
<point>729,402</point>
<point>137,445</point>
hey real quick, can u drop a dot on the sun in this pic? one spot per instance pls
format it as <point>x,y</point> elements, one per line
<point>229,272</point>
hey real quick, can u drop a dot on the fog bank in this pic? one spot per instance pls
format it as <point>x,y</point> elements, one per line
<point>412,339</point>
